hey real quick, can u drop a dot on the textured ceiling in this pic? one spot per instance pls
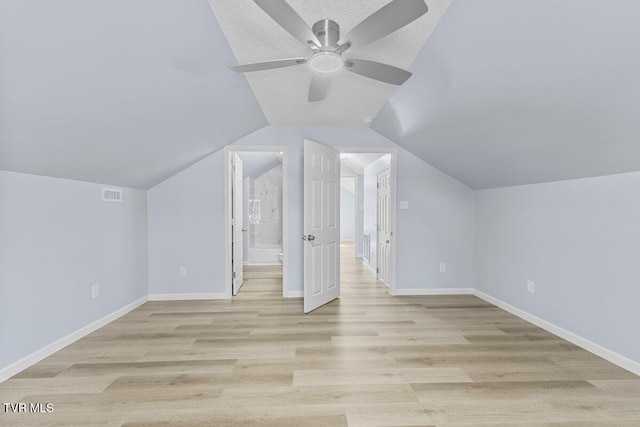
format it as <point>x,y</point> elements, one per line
<point>282,93</point>
<point>116,91</point>
<point>516,92</point>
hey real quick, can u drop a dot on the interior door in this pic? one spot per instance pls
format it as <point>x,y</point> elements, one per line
<point>384,226</point>
<point>321,225</point>
<point>237,224</point>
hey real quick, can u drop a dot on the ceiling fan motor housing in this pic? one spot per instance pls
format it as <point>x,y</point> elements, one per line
<point>328,32</point>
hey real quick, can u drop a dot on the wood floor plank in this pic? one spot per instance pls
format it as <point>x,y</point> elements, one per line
<point>366,359</point>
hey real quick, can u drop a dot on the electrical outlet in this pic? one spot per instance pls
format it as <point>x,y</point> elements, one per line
<point>182,271</point>
<point>404,204</point>
<point>95,290</point>
<point>530,286</point>
<point>443,267</point>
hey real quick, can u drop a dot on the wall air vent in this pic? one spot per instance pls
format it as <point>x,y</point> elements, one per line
<point>111,195</point>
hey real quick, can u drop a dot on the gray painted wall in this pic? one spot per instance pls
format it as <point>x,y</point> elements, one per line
<point>186,229</point>
<point>348,209</point>
<point>186,217</point>
<point>579,242</point>
<point>57,238</point>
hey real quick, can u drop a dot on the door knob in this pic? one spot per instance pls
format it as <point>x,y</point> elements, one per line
<point>311,237</point>
<point>244,230</point>
<point>387,241</point>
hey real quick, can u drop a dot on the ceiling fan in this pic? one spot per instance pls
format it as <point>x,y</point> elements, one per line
<point>327,47</point>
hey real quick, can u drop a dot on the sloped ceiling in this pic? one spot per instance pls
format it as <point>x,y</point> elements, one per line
<point>504,92</point>
<point>283,93</point>
<point>257,163</point>
<point>515,92</point>
<point>358,161</point>
<point>116,91</point>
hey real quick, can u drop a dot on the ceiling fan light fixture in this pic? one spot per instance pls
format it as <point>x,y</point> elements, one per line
<point>326,62</point>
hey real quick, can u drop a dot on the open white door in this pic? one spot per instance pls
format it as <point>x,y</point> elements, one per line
<point>384,226</point>
<point>237,224</point>
<point>321,225</point>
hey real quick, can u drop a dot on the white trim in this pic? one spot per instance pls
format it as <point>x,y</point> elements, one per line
<point>294,294</point>
<point>605,353</point>
<point>227,222</point>
<point>261,263</point>
<point>189,297</point>
<point>58,345</point>
<point>366,265</point>
<point>435,291</point>
<point>285,211</point>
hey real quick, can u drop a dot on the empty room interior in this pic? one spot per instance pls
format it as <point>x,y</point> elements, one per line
<point>332,213</point>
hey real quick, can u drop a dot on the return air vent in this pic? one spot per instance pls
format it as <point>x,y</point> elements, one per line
<point>111,195</point>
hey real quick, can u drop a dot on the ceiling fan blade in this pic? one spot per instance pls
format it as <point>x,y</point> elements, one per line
<point>377,71</point>
<point>319,88</point>
<point>267,65</point>
<point>383,22</point>
<point>287,18</point>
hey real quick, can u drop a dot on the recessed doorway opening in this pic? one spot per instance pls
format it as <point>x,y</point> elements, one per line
<point>256,220</point>
<point>367,213</point>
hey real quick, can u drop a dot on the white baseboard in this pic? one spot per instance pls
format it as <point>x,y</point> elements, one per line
<point>611,356</point>
<point>188,297</point>
<point>440,291</point>
<point>48,350</point>
<point>366,265</point>
<point>262,263</point>
<point>294,294</point>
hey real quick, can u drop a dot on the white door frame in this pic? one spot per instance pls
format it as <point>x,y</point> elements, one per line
<point>381,269</point>
<point>228,150</point>
<point>392,206</point>
<point>237,235</point>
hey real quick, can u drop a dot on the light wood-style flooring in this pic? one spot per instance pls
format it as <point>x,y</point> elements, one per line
<point>367,359</point>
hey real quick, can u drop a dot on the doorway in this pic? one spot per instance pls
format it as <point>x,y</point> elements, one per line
<point>374,243</point>
<point>323,167</point>
<point>256,220</point>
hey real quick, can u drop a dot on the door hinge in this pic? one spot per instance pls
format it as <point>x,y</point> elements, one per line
<point>377,185</point>
<point>377,270</point>
<point>233,275</point>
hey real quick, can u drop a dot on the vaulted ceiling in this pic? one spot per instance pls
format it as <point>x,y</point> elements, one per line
<point>503,92</point>
<point>283,93</point>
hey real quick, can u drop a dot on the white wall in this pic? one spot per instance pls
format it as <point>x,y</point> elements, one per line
<point>57,238</point>
<point>186,217</point>
<point>579,241</point>
<point>186,229</point>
